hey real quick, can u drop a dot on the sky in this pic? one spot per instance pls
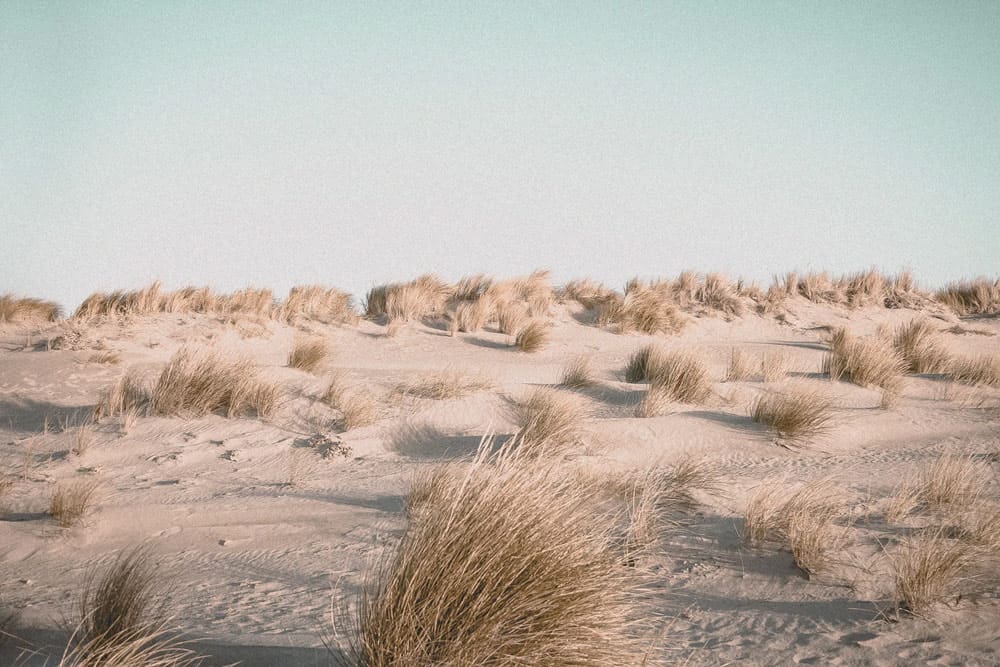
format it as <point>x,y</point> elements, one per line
<point>351,144</point>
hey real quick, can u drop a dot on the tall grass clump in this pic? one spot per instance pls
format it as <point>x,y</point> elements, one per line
<point>318,303</point>
<point>864,362</point>
<point>308,354</point>
<point>127,395</point>
<point>26,309</point>
<point>413,300</point>
<point>920,346</point>
<point>443,385</point>
<point>532,337</point>
<point>930,569</point>
<point>357,407</point>
<point>795,416</point>
<point>644,310</point>
<point>512,564</point>
<point>71,501</point>
<point>639,363</point>
<point>741,366</point>
<point>548,422</point>
<point>971,297</point>
<point>199,382</point>
<point>122,620</point>
<point>577,373</point>
<point>983,370</point>
<point>680,376</point>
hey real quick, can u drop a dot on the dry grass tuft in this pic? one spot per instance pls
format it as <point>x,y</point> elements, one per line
<point>680,376</point>
<point>511,317</point>
<point>796,416</point>
<point>865,362</point>
<point>403,302</point>
<point>308,355</point>
<point>548,422</point>
<point>930,569</point>
<point>122,620</point>
<point>983,370</point>
<point>81,438</point>
<point>200,382</point>
<point>773,366</point>
<point>578,373</point>
<point>6,486</point>
<point>920,345</point>
<point>772,509</point>
<point>741,366</point>
<point>322,304</point>
<point>639,362</point>
<point>972,297</point>
<point>657,402</point>
<point>509,565</point>
<point>532,337</point>
<point>357,407</point>
<point>104,357</point>
<point>644,309</point>
<point>72,500</point>
<point>127,395</point>
<point>443,385</point>
<point>953,480</point>
<point>24,309</point>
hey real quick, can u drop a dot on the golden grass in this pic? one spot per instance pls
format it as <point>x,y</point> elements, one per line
<point>443,385</point>
<point>865,362</point>
<point>578,373</point>
<point>980,296</point>
<point>26,309</point>
<point>470,316</point>
<point>72,500</point>
<point>319,303</point>
<point>588,293</point>
<point>930,569</point>
<point>357,407</point>
<point>532,337</point>
<point>422,297</point>
<point>6,487</point>
<point>643,310</point>
<point>921,347</point>
<point>773,366</point>
<point>741,366</point>
<point>717,293</point>
<point>308,354</point>
<point>983,370</point>
<point>511,317</point>
<point>199,382</point>
<point>772,508</point>
<point>637,367</point>
<point>796,416</point>
<point>511,565</point>
<point>952,480</point>
<point>656,402</point>
<point>128,395</point>
<point>122,620</point>
<point>548,422</point>
<point>81,438</point>
<point>104,357</point>
<point>680,376</point>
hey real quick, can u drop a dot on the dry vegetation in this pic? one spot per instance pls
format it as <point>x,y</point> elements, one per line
<point>199,382</point>
<point>639,362</point>
<point>72,500</point>
<point>548,422</point>
<point>773,366</point>
<point>22,309</point>
<point>680,376</point>
<point>122,620</point>
<point>357,407</point>
<point>577,373</point>
<point>929,569</point>
<point>866,362</point>
<point>983,370</point>
<point>513,565</point>
<point>972,297</point>
<point>952,480</point>
<point>308,354</point>
<point>532,337</point>
<point>796,416</point>
<point>128,395</point>
<point>741,366</point>
<point>443,385</point>
<point>921,347</point>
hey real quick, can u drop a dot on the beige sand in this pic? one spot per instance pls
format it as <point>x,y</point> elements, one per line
<point>256,562</point>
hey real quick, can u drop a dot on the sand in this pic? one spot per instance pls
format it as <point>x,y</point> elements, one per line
<point>260,535</point>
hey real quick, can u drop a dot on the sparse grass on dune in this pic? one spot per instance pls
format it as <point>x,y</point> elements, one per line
<point>929,569</point>
<point>741,366</point>
<point>72,500</point>
<point>773,366</point>
<point>548,422</point>
<point>639,362</point>
<point>357,407</point>
<point>643,310</point>
<point>403,302</point>
<point>511,317</point>
<point>953,480</point>
<point>532,337</point>
<point>656,402</point>
<point>983,370</point>
<point>680,375</point>
<point>198,382</point>
<point>577,373</point>
<point>511,564</point>
<point>122,620</point>
<point>318,303</point>
<point>308,354</point>
<point>980,296</point>
<point>127,394</point>
<point>26,309</point>
<point>865,362</point>
<point>920,346</point>
<point>443,385</point>
<point>796,415</point>
<point>869,287</point>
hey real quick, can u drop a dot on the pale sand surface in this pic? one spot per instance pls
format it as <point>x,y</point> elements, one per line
<point>256,562</point>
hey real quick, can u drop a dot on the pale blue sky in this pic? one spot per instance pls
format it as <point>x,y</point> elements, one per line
<point>252,143</point>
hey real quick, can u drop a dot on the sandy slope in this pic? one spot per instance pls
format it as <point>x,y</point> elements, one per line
<point>256,560</point>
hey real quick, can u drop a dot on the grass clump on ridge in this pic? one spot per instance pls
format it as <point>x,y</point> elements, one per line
<point>504,563</point>
<point>548,422</point>
<point>795,416</point>
<point>26,309</point>
<point>308,354</point>
<point>199,382</point>
<point>920,346</point>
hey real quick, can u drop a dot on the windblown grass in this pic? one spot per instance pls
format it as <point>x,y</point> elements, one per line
<point>773,366</point>
<point>357,407</point>
<point>972,297</point>
<point>443,385</point>
<point>308,355</point>
<point>548,422</point>
<point>680,376</point>
<point>511,564</point>
<point>920,346</point>
<point>772,508</point>
<point>796,415</point>
<point>122,620</point>
<point>532,337</point>
<point>639,362</point>
<point>199,382</point>
<point>72,500</point>
<point>127,395</point>
<point>319,303</point>
<point>983,370</point>
<point>25,309</point>
<point>577,373</point>
<point>656,402</point>
<point>741,366</point>
<point>930,569</point>
<point>865,362</point>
